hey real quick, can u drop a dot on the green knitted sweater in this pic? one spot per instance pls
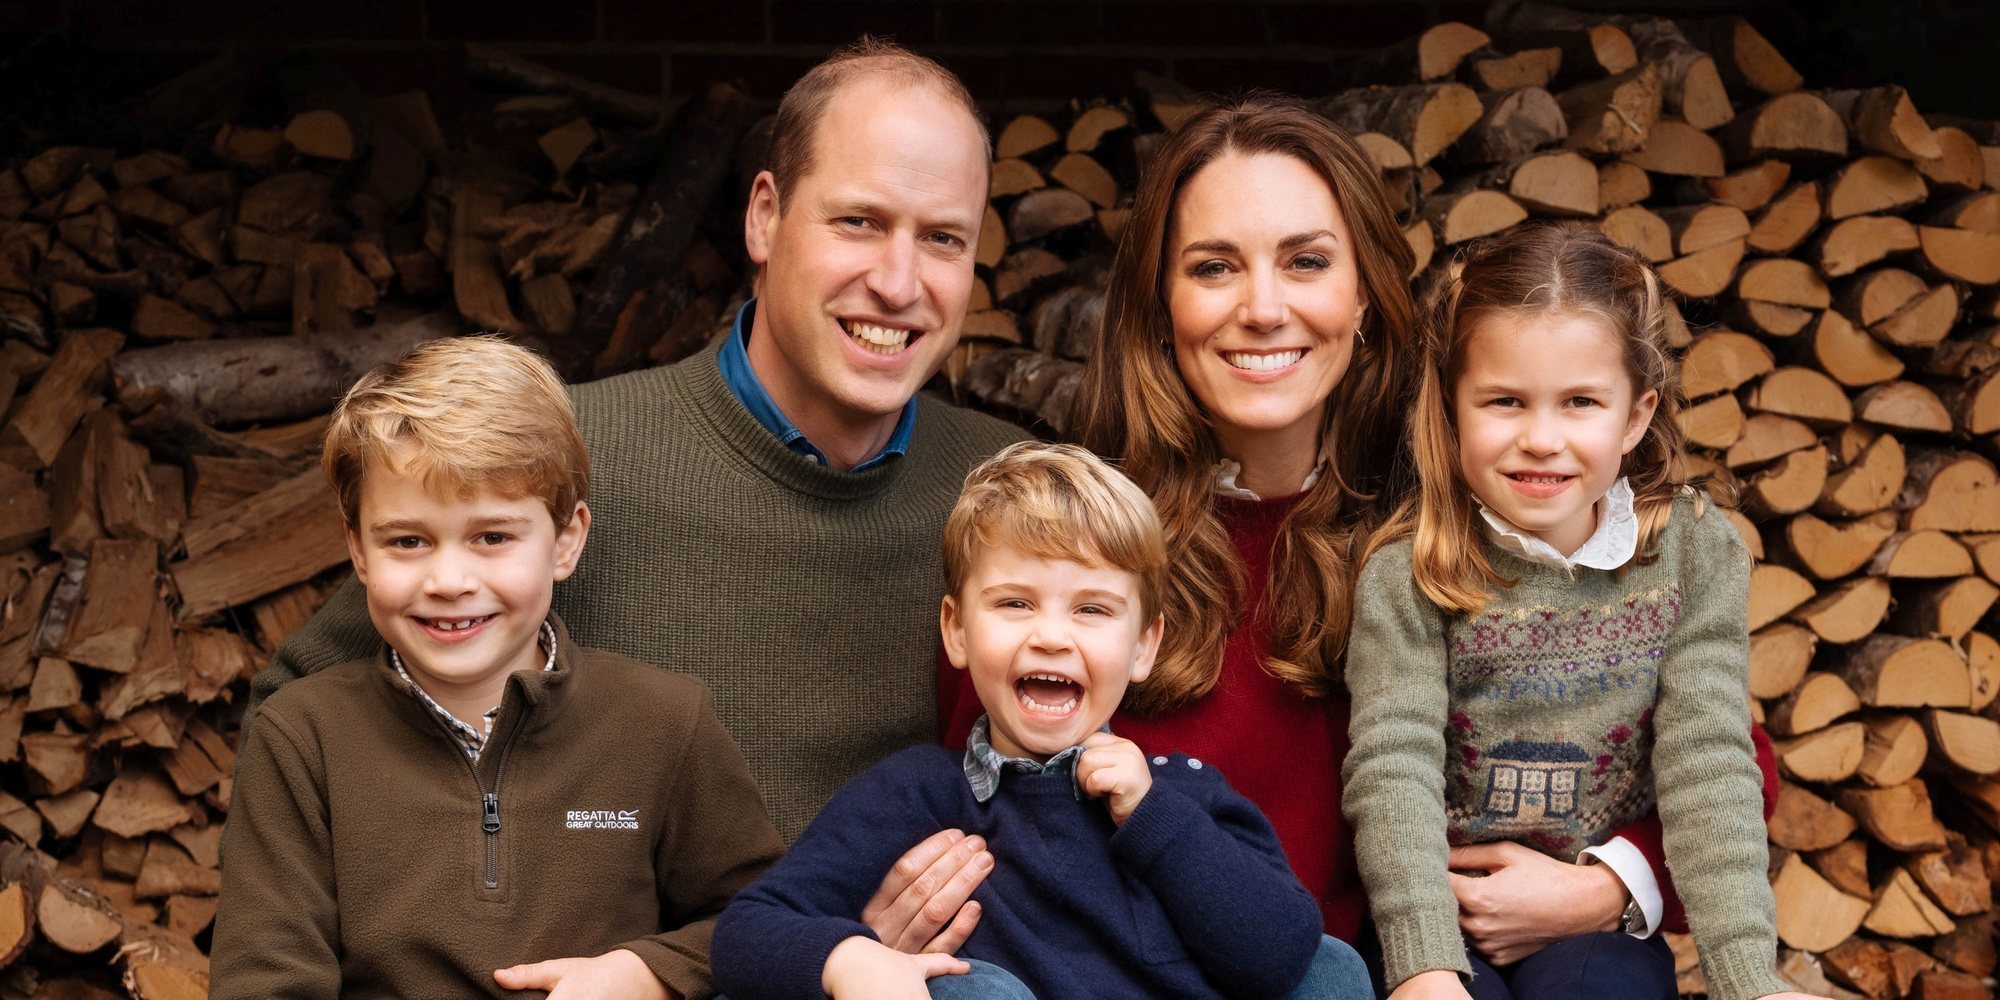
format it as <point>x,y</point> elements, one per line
<point>806,598</point>
<point>1564,708</point>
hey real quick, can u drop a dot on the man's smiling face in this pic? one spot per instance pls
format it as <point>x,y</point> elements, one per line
<point>867,263</point>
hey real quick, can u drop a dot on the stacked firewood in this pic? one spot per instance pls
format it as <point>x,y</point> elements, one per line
<point>179,316</point>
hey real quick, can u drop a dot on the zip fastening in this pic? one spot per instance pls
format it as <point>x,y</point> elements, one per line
<point>489,802</point>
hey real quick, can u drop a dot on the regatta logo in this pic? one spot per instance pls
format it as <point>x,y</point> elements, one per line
<point>602,819</point>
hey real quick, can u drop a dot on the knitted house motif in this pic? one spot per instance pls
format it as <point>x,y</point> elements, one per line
<point>1528,782</point>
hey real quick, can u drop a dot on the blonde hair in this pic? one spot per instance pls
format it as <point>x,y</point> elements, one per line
<point>1134,406</point>
<point>806,102</point>
<point>1057,501</point>
<point>462,414</point>
<point>1528,272</point>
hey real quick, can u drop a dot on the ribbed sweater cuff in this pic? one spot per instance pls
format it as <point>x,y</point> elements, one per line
<point>805,961</point>
<point>1421,945</point>
<point>1155,827</point>
<point>1742,970</point>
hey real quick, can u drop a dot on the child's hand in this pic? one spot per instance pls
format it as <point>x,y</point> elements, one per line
<point>1437,984</point>
<point>861,969</point>
<point>1115,769</point>
<point>615,974</point>
<point>1791,996</point>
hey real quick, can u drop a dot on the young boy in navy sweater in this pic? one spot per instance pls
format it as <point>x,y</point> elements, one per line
<point>1115,875</point>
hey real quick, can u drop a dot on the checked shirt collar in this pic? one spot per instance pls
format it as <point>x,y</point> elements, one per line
<point>984,765</point>
<point>469,739</point>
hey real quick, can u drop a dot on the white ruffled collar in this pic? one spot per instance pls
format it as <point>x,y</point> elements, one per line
<point>1228,469</point>
<point>1609,547</point>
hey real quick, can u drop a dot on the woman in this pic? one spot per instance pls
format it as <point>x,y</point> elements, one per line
<point>1251,377</point>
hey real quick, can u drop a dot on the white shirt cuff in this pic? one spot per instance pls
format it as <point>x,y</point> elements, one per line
<point>1632,868</point>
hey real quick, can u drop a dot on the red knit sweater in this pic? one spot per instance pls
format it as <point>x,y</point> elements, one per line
<point>1283,751</point>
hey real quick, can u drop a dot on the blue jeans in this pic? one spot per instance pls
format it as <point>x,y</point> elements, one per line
<point>986,981</point>
<point>1336,973</point>
<point>1606,965</point>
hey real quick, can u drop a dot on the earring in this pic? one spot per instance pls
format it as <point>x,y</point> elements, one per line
<point>1358,337</point>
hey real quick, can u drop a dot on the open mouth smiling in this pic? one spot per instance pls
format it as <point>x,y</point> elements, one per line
<point>878,338</point>
<point>1047,694</point>
<point>1263,362</point>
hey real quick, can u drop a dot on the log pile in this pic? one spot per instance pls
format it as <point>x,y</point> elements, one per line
<point>179,316</point>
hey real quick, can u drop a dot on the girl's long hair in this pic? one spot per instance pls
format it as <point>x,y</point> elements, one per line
<point>1531,271</point>
<point>1133,406</point>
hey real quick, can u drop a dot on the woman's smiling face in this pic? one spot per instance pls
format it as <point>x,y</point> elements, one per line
<point>1264,292</point>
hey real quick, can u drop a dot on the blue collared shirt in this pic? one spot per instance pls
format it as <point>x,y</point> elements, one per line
<point>736,372</point>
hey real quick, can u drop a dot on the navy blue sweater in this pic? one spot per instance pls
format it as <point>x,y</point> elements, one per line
<point>1192,897</point>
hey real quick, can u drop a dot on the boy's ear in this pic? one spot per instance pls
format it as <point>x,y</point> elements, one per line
<point>569,541</point>
<point>354,553</point>
<point>1642,418</point>
<point>1147,649</point>
<point>761,217</point>
<point>952,628</point>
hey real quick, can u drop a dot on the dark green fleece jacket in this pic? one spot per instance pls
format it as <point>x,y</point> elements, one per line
<point>367,856</point>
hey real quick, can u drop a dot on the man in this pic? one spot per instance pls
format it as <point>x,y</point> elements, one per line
<point>768,512</point>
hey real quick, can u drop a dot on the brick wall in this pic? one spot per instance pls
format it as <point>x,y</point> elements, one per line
<point>1015,54</point>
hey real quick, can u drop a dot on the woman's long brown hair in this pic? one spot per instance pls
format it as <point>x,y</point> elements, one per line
<point>1134,407</point>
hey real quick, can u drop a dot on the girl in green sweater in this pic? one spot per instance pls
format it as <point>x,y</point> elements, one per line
<point>1550,639</point>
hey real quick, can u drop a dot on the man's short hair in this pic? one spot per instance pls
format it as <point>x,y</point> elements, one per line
<point>805,104</point>
<point>462,414</point>
<point>1057,501</point>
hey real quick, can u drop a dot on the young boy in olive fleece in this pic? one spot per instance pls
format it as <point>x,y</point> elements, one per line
<point>482,792</point>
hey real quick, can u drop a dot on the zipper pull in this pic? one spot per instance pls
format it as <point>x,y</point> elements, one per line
<point>491,801</point>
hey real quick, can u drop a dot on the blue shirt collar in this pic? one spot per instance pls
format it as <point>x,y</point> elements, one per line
<point>734,360</point>
<point>984,765</point>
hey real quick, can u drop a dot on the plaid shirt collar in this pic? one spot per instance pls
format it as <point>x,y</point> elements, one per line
<point>983,764</point>
<point>470,740</point>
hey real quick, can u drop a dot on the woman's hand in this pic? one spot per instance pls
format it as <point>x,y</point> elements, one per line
<point>860,969</point>
<point>1528,900</point>
<point>1437,984</point>
<point>925,902</point>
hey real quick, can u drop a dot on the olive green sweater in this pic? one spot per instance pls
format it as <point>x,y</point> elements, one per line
<point>369,857</point>
<point>1564,708</point>
<point>806,598</point>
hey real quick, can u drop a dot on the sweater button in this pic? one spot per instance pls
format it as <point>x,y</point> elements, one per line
<point>1193,763</point>
<point>1160,760</point>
